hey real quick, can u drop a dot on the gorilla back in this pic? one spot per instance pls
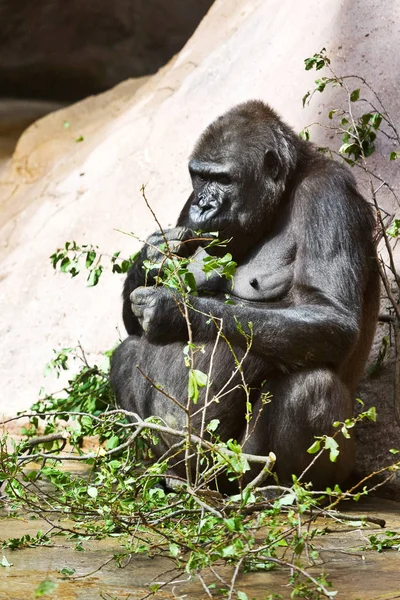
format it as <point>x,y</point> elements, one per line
<point>306,278</point>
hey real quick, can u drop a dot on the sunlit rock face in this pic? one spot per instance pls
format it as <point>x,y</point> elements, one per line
<point>76,175</point>
<point>67,50</point>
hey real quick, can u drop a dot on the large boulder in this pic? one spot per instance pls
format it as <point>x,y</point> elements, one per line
<point>57,188</point>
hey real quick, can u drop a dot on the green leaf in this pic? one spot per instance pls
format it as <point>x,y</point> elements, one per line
<point>309,63</point>
<point>86,421</point>
<point>201,378</point>
<point>371,414</point>
<point>79,139</point>
<point>316,447</point>
<point>197,379</point>
<point>193,390</point>
<point>174,550</point>
<point>229,551</point>
<point>190,282</point>
<point>90,258</point>
<point>333,447</point>
<point>394,229</point>
<point>45,587</point>
<point>113,442</point>
<point>213,425</point>
<point>354,96</point>
<point>287,500</point>
<point>305,97</point>
<point>242,596</point>
<point>94,276</point>
<point>305,134</point>
<point>92,492</point>
<point>345,432</point>
<point>376,120</point>
<point>394,155</point>
<point>67,571</point>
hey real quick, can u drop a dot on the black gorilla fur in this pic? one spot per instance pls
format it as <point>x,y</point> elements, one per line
<point>307,279</point>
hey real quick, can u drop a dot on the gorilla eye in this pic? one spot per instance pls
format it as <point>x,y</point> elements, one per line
<point>224,179</point>
<point>271,163</point>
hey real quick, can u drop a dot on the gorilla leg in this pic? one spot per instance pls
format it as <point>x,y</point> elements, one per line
<point>304,404</point>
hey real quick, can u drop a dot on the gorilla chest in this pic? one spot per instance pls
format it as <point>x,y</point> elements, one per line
<point>266,275</point>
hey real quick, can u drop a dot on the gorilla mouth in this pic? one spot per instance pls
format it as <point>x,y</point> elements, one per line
<point>201,215</point>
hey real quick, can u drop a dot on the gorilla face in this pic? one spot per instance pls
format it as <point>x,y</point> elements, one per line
<point>236,195</point>
<point>216,194</point>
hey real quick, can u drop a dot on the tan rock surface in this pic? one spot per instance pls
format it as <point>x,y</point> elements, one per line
<point>56,189</point>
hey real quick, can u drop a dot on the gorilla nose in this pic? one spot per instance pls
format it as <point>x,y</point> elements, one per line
<point>203,202</point>
<point>206,202</point>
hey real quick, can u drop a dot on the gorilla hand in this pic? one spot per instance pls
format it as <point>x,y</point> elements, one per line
<point>157,311</point>
<point>180,240</point>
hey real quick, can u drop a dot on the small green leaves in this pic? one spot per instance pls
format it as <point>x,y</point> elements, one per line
<point>67,571</point>
<point>317,61</point>
<point>197,379</point>
<point>224,266</point>
<point>354,96</point>
<point>72,258</point>
<point>79,139</point>
<point>305,134</point>
<point>394,155</point>
<point>329,443</point>
<point>394,229</point>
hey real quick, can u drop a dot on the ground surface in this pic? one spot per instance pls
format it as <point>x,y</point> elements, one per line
<point>355,573</point>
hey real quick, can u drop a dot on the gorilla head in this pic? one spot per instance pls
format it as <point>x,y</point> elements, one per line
<point>240,168</point>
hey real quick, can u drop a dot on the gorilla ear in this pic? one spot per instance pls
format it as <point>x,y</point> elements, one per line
<point>271,164</point>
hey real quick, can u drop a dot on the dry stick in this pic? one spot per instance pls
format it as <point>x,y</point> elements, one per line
<point>160,389</point>
<point>234,577</point>
<point>190,335</point>
<point>397,372</point>
<point>206,401</point>
<point>294,567</point>
<point>387,243</point>
<point>43,439</point>
<point>386,285</point>
<point>203,583</point>
<point>141,424</point>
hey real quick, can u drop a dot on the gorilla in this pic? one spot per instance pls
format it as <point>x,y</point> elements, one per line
<point>306,284</point>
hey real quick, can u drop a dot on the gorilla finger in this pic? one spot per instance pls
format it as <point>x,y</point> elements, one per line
<point>141,294</point>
